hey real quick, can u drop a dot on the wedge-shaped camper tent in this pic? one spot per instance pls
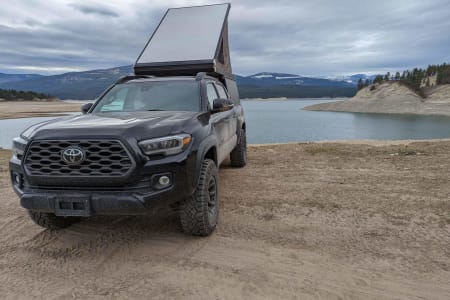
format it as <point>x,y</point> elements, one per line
<point>187,41</point>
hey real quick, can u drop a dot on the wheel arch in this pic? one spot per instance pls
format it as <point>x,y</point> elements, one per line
<point>207,149</point>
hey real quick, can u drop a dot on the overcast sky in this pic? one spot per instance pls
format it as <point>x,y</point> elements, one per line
<point>314,37</point>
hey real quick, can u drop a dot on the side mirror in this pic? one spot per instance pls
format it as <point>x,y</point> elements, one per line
<point>222,105</point>
<point>86,107</point>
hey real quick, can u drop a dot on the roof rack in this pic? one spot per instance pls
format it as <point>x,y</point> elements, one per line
<point>201,76</point>
<point>126,78</point>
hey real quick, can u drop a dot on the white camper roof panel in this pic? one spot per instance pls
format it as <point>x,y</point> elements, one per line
<point>186,34</point>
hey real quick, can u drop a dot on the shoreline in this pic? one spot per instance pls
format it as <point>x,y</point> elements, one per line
<point>24,115</point>
<point>30,109</point>
<point>324,107</point>
<point>288,99</point>
<point>375,143</point>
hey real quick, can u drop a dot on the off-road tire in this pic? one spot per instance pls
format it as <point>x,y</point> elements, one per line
<point>199,212</point>
<point>50,221</point>
<point>238,156</point>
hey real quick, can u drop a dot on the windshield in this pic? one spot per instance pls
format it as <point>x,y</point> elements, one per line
<point>151,96</point>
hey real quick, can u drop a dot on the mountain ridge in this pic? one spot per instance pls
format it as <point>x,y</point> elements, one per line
<point>4,77</point>
<point>89,84</point>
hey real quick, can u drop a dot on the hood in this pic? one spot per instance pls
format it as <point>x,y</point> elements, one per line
<point>140,125</point>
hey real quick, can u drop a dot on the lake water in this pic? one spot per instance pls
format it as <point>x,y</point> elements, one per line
<point>285,121</point>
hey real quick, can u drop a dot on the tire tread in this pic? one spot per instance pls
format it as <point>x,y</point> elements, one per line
<point>194,210</point>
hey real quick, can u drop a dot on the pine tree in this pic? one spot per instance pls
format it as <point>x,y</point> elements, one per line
<point>378,79</point>
<point>360,84</point>
<point>25,95</point>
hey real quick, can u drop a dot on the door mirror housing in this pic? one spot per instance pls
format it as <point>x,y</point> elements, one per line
<point>86,107</point>
<point>222,104</point>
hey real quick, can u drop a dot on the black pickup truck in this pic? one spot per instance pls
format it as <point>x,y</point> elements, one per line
<point>146,141</point>
<point>155,137</point>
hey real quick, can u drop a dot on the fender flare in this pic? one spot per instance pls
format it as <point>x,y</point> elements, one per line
<point>203,148</point>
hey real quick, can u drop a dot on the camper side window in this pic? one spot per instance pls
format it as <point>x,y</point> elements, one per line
<point>211,94</point>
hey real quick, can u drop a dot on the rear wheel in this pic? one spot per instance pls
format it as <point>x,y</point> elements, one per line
<point>238,156</point>
<point>50,221</point>
<point>199,212</point>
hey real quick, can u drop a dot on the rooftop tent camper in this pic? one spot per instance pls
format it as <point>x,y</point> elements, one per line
<point>188,40</point>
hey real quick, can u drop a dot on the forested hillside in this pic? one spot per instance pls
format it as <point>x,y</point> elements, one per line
<point>416,79</point>
<point>21,95</point>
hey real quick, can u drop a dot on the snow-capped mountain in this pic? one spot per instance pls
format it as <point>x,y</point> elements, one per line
<point>278,76</point>
<point>275,79</point>
<point>353,79</point>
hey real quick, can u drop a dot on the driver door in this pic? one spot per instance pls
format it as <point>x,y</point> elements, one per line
<point>219,121</point>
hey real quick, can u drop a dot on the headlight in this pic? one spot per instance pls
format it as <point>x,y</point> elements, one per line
<point>168,145</point>
<point>18,147</point>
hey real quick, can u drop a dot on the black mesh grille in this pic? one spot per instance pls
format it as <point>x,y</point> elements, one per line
<point>103,158</point>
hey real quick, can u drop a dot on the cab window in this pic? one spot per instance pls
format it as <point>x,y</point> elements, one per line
<point>221,91</point>
<point>211,94</point>
<point>114,100</point>
<point>151,96</point>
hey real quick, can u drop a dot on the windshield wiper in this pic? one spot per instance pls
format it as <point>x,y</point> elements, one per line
<point>155,109</point>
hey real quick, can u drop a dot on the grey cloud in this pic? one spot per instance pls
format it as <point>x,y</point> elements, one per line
<point>304,37</point>
<point>96,10</point>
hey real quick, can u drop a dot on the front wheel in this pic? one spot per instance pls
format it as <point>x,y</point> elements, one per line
<point>238,156</point>
<point>199,213</point>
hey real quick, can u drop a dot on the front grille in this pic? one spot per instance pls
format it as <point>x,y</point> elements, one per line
<point>102,158</point>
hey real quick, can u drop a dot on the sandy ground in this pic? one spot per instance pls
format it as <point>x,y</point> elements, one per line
<point>301,221</point>
<point>24,109</point>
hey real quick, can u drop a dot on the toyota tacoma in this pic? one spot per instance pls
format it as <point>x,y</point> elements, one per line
<point>156,137</point>
<point>146,141</point>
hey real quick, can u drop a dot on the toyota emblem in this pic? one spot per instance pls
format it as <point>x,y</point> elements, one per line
<point>73,156</point>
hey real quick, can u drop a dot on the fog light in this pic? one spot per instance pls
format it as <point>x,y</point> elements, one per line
<point>17,179</point>
<point>164,181</point>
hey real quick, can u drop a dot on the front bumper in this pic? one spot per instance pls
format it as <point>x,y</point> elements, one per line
<point>136,198</point>
<point>89,203</point>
